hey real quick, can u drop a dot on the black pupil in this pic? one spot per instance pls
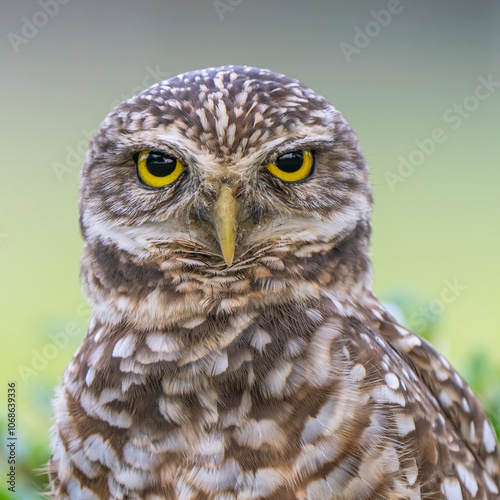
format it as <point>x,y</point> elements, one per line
<point>160,165</point>
<point>290,162</point>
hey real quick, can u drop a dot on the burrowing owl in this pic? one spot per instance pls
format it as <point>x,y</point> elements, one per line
<point>236,350</point>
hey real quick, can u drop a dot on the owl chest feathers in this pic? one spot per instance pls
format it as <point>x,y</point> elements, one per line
<point>261,403</point>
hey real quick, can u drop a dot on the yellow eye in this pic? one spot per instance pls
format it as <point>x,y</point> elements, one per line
<point>156,169</point>
<point>293,167</point>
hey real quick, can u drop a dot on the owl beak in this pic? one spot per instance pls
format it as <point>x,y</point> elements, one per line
<point>225,222</point>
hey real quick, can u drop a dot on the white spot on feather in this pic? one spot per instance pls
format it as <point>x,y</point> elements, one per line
<point>222,119</point>
<point>255,433</point>
<point>124,347</point>
<point>203,119</point>
<point>216,479</point>
<point>365,338</point>
<point>319,489</point>
<point>97,336</point>
<point>467,479</point>
<point>99,450</point>
<point>114,418</point>
<point>173,410</point>
<point>231,130</point>
<point>409,342</point>
<point>194,322</point>
<point>320,348</point>
<point>132,379</point>
<point>382,394</point>
<point>261,483</point>
<point>260,339</point>
<point>160,342</point>
<point>445,400</point>
<point>139,458</point>
<point>458,380</point>
<point>411,472</point>
<point>489,438</point>
<point>96,355</point>
<point>472,431</point>
<point>257,133</point>
<point>275,381</point>
<point>110,394</point>
<point>405,424</point>
<point>465,405</point>
<point>402,331</point>
<point>76,491</point>
<point>358,373</point>
<point>489,483</point>
<point>133,479</point>
<point>451,488</point>
<point>312,457</point>
<point>392,381</point>
<point>314,315</point>
<point>220,365</point>
<point>257,118</point>
<point>329,419</point>
<point>89,377</point>
<point>81,461</point>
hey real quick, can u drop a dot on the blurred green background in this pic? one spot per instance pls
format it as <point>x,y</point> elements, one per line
<point>397,77</point>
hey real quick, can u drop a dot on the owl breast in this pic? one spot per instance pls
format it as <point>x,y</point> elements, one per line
<point>276,411</point>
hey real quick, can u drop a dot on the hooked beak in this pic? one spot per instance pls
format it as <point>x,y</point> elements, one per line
<point>225,222</point>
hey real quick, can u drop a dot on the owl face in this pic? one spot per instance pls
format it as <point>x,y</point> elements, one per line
<point>221,166</point>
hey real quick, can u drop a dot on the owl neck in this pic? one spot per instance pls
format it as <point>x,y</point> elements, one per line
<point>162,336</point>
<point>172,294</point>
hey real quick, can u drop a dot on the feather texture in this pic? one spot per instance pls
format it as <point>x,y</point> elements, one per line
<point>281,377</point>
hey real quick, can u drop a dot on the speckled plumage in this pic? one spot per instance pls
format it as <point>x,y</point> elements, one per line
<point>280,377</point>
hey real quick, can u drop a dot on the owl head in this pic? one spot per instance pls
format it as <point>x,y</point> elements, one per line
<point>219,172</point>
